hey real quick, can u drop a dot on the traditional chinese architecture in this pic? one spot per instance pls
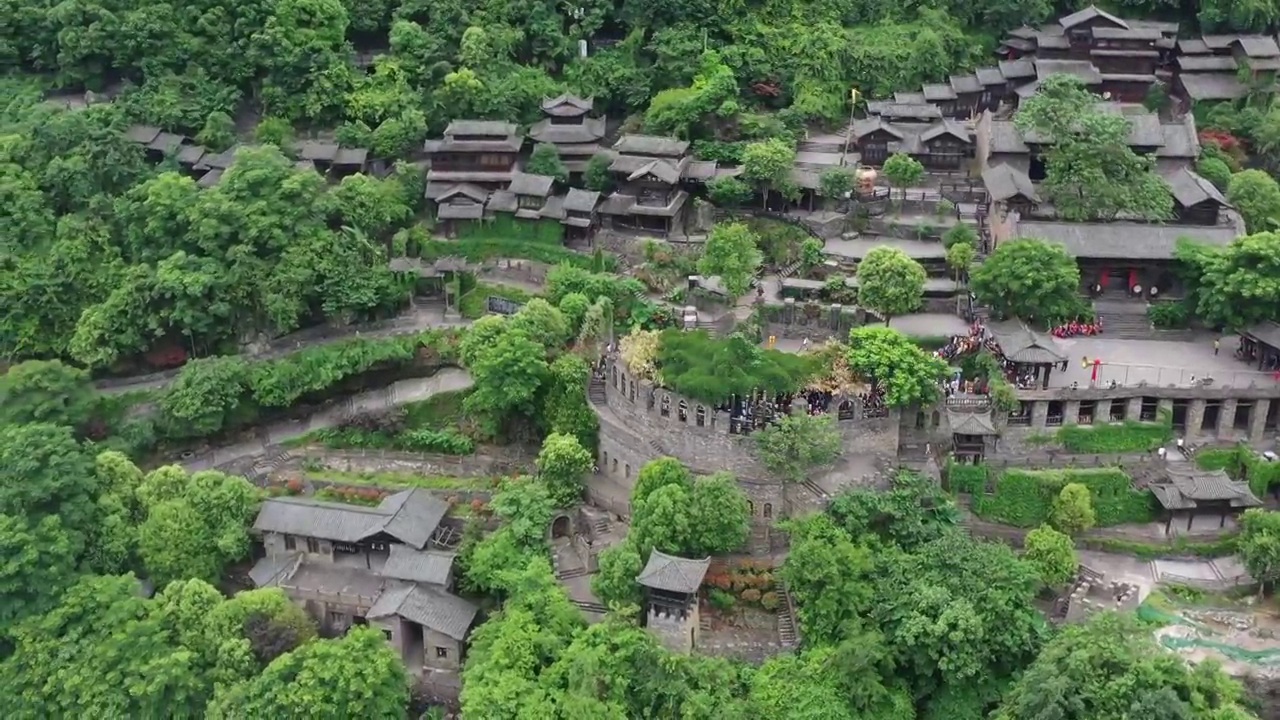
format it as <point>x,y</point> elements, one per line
<point>1225,67</point>
<point>1190,491</point>
<point>526,197</point>
<point>579,213</point>
<point>649,172</point>
<point>1030,353</point>
<point>570,128</point>
<point>944,145</point>
<point>671,605</point>
<point>382,566</point>
<point>973,433</point>
<point>458,204</point>
<point>482,152</point>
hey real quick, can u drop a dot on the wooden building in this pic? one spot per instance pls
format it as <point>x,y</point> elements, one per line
<point>944,145</point>
<point>1189,491</point>
<point>1225,67</point>
<point>671,598</point>
<point>579,213</point>
<point>481,152</point>
<point>570,128</point>
<point>458,204</point>
<point>649,172</point>
<point>381,566</point>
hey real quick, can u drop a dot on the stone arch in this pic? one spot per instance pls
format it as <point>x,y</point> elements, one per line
<point>615,465</point>
<point>920,420</point>
<point>768,510</point>
<point>615,376</point>
<point>682,411</point>
<point>845,410</point>
<point>665,408</point>
<point>633,391</point>
<point>628,470</point>
<point>653,397</point>
<point>937,418</point>
<point>751,508</point>
<point>561,527</point>
<point>700,415</point>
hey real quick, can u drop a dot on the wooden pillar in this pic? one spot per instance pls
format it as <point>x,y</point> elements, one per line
<point>1047,369</point>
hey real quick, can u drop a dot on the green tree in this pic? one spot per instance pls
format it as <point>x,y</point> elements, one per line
<point>541,320</point>
<point>566,409</point>
<point>1072,511</point>
<point>960,257</point>
<point>1259,545</point>
<point>1091,170</point>
<point>204,396</point>
<point>218,133</point>
<point>801,687</point>
<point>615,583</point>
<point>274,131</point>
<point>508,375</point>
<point>562,464</point>
<point>356,675</point>
<point>890,282</point>
<point>1029,279</point>
<point>902,171</point>
<point>574,307</point>
<point>195,524</point>
<point>656,474</point>
<point>811,254</point>
<point>887,358</point>
<point>768,164</point>
<point>375,207</point>
<point>835,183</point>
<point>1257,196</point>
<point>596,176</point>
<point>726,191</point>
<point>1232,286</point>
<point>827,573</point>
<point>1215,170</point>
<point>1052,554</point>
<point>960,234</point>
<point>731,253</point>
<point>545,160</point>
<point>1112,667</point>
<point>719,516</point>
<point>798,444</point>
<point>45,391</point>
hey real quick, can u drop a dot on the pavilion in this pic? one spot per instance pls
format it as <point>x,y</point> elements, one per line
<point>671,585</point>
<point>1192,491</point>
<point>1028,351</point>
<point>1262,343</point>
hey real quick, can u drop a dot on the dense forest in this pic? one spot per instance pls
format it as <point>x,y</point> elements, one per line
<point>110,262</point>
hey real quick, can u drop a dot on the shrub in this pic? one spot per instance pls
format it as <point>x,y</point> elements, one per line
<point>446,442</point>
<point>750,595</point>
<point>970,479</point>
<point>477,506</point>
<point>1129,436</point>
<point>721,600</point>
<point>1169,314</point>
<point>1024,498</point>
<point>294,485</point>
<point>769,601</point>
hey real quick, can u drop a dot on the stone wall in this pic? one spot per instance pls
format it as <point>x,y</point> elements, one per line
<point>485,462</point>
<point>676,633</point>
<point>817,321</point>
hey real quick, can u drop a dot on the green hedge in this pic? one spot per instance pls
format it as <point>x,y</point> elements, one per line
<point>1023,498</point>
<point>963,478</point>
<point>509,227</point>
<point>1242,463</point>
<point>475,303</point>
<point>1128,436</point>
<point>1180,547</point>
<point>479,250</point>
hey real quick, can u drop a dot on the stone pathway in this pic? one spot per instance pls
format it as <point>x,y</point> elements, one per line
<point>271,437</point>
<point>417,319</point>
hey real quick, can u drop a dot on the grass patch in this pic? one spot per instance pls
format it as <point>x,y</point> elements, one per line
<point>400,480</point>
<point>438,412</point>
<point>474,304</point>
<point>1023,498</point>
<point>1180,547</point>
<point>1128,436</point>
<point>505,227</point>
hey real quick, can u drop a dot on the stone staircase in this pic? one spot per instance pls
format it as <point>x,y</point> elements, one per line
<point>601,527</point>
<point>1123,320</point>
<point>268,464</point>
<point>658,448</point>
<point>595,390</point>
<point>590,607</point>
<point>572,573</point>
<point>813,487</point>
<point>789,270</point>
<point>787,633</point>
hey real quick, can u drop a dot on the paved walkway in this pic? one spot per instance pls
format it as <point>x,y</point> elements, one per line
<point>415,319</point>
<point>1218,574</point>
<point>271,437</point>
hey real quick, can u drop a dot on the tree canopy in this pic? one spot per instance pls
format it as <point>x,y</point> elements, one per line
<point>907,374</point>
<point>1029,279</point>
<point>1091,171</point>
<point>1234,286</point>
<point>890,282</point>
<point>732,254</point>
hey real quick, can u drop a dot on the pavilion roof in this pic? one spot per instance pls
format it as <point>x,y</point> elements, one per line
<point>674,574</point>
<point>1021,344</point>
<point>1187,487</point>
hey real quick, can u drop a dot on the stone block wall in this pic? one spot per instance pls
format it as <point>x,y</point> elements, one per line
<point>676,633</point>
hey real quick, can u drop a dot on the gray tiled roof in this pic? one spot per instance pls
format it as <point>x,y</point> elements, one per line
<point>1266,332</point>
<point>936,93</point>
<point>428,606</point>
<point>1052,41</point>
<point>1021,344</point>
<point>1193,46</point>
<point>191,154</point>
<point>351,156</point>
<point>166,143</point>
<point>1207,63</point>
<point>1090,13</point>
<point>971,423</point>
<point>635,167</point>
<point>1082,69</point>
<point>468,190</point>
<point>1213,86</point>
<point>428,566</point>
<point>890,110</point>
<point>315,150</point>
<point>1188,486</point>
<point>482,128</point>
<point>947,126</point>
<point>1258,46</point>
<point>1133,33</point>
<point>269,570</point>
<point>651,145</point>
<point>965,84</point>
<point>863,127</point>
<point>582,201</point>
<point>589,130</point>
<point>1017,69</point>
<point>410,516</point>
<point>460,211</point>
<point>675,574</point>
<point>910,98</point>
<point>1189,189</point>
<point>528,184</point>
<point>141,134</point>
<point>1004,182</point>
<point>1124,240</point>
<point>990,76</point>
<point>567,105</point>
<point>211,178</point>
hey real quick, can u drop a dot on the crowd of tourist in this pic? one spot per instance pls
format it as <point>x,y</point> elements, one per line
<point>1077,329</point>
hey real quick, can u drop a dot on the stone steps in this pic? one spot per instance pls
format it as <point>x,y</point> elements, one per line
<point>813,487</point>
<point>590,606</point>
<point>790,270</point>
<point>571,574</point>
<point>786,621</point>
<point>600,527</point>
<point>595,391</point>
<point>269,464</point>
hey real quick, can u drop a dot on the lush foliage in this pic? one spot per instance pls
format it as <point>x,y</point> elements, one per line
<point>1029,279</point>
<point>1128,436</point>
<point>799,443</point>
<point>562,465</point>
<point>1234,286</point>
<point>731,254</point>
<point>713,369</point>
<point>1257,196</point>
<point>890,282</point>
<point>1025,498</point>
<point>1052,554</point>
<point>1091,171</point>
<point>1072,511</point>
<point>1259,544</point>
<point>907,374</point>
<point>1111,667</point>
<point>710,517</point>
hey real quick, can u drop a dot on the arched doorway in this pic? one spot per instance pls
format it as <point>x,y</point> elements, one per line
<point>560,527</point>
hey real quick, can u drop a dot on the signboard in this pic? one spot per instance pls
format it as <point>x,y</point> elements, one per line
<point>503,306</point>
